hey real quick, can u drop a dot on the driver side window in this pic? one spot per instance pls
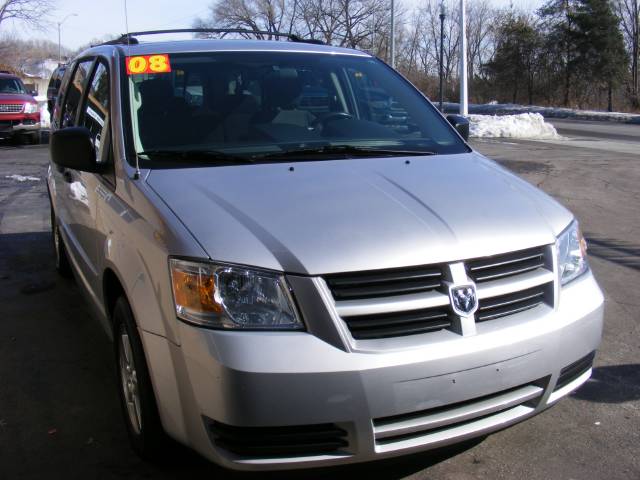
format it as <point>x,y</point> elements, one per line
<point>96,110</point>
<point>74,93</point>
<point>96,118</point>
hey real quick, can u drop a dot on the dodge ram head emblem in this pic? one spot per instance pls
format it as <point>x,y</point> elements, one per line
<point>463,299</point>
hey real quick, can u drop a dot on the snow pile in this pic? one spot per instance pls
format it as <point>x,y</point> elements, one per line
<point>45,118</point>
<point>524,125</point>
<point>22,178</point>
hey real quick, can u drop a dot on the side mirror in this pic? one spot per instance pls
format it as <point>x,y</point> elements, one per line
<point>73,148</point>
<point>461,124</point>
<point>33,93</point>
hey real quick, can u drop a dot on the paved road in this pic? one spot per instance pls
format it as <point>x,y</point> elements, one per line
<point>597,130</point>
<point>59,415</point>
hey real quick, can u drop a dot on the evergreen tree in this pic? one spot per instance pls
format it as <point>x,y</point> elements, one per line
<point>600,54</point>
<point>514,64</point>
<point>560,29</point>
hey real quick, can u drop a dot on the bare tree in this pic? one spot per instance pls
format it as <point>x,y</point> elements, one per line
<point>256,15</point>
<point>429,21</point>
<point>32,12</point>
<point>481,21</point>
<point>320,19</point>
<point>629,13</point>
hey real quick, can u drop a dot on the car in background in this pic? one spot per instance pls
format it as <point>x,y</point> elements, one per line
<point>19,113</point>
<point>54,86</point>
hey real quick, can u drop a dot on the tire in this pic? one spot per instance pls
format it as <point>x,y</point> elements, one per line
<point>63,267</point>
<point>35,138</point>
<point>137,399</point>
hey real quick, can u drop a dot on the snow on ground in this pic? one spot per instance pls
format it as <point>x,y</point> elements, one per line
<point>495,108</point>
<point>523,125</point>
<point>45,119</point>
<point>22,178</point>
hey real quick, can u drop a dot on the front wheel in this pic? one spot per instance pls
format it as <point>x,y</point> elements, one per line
<point>134,387</point>
<point>36,138</point>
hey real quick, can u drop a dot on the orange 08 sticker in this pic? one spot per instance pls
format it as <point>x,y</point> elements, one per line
<point>148,64</point>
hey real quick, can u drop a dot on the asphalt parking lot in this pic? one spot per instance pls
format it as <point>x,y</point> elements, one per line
<point>59,414</point>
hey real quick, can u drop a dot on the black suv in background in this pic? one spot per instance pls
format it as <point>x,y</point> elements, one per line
<point>54,86</point>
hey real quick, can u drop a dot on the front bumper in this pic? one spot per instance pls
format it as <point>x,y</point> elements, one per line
<point>11,125</point>
<point>387,403</point>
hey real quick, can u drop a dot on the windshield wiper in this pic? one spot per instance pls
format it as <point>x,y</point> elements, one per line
<point>348,150</point>
<point>197,155</point>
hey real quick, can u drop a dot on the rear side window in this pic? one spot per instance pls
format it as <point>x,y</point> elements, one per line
<point>74,93</point>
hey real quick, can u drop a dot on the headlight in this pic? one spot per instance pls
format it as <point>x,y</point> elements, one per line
<point>30,107</point>
<point>221,296</point>
<point>572,253</point>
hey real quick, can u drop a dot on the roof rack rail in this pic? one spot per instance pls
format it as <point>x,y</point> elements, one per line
<point>130,38</point>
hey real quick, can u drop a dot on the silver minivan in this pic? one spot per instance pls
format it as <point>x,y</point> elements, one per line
<point>301,262</point>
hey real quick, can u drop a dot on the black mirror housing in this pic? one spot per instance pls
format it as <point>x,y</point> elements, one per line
<point>461,124</point>
<point>73,148</point>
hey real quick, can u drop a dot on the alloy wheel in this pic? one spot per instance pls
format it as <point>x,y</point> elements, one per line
<point>129,380</point>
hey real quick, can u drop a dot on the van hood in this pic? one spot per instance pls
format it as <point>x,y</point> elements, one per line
<point>359,214</point>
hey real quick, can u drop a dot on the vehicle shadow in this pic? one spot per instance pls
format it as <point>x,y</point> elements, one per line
<point>16,142</point>
<point>612,384</point>
<point>616,251</point>
<point>189,463</point>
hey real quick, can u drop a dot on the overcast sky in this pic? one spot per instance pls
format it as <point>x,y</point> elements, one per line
<point>96,18</point>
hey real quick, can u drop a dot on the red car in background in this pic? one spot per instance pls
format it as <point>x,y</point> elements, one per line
<point>19,112</point>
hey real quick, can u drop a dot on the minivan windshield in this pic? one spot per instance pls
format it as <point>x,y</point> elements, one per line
<point>234,106</point>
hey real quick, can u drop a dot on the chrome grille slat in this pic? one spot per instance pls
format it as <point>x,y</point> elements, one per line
<point>505,265</point>
<point>404,323</point>
<point>414,300</point>
<point>524,281</point>
<point>383,290</point>
<point>385,283</point>
<point>352,308</point>
<point>495,275</point>
<point>504,262</point>
<point>510,304</point>
<point>512,311</point>
<point>501,303</point>
<point>11,107</point>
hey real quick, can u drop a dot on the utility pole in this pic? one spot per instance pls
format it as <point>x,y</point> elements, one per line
<point>59,43</point>
<point>442,16</point>
<point>464,99</point>
<point>393,35</point>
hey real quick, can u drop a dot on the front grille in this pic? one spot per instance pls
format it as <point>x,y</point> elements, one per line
<point>398,323</point>
<point>506,265</point>
<point>414,300</point>
<point>279,441</point>
<point>458,419</point>
<point>509,304</point>
<point>384,283</point>
<point>11,107</point>
<point>569,373</point>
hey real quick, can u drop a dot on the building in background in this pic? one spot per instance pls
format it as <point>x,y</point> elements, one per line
<point>35,74</point>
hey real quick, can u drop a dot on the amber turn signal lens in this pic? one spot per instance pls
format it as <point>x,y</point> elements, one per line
<point>194,291</point>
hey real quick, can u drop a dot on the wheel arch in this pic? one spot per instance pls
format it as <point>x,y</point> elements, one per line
<point>112,289</point>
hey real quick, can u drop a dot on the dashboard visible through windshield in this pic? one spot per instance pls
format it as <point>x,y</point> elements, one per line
<point>257,105</point>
